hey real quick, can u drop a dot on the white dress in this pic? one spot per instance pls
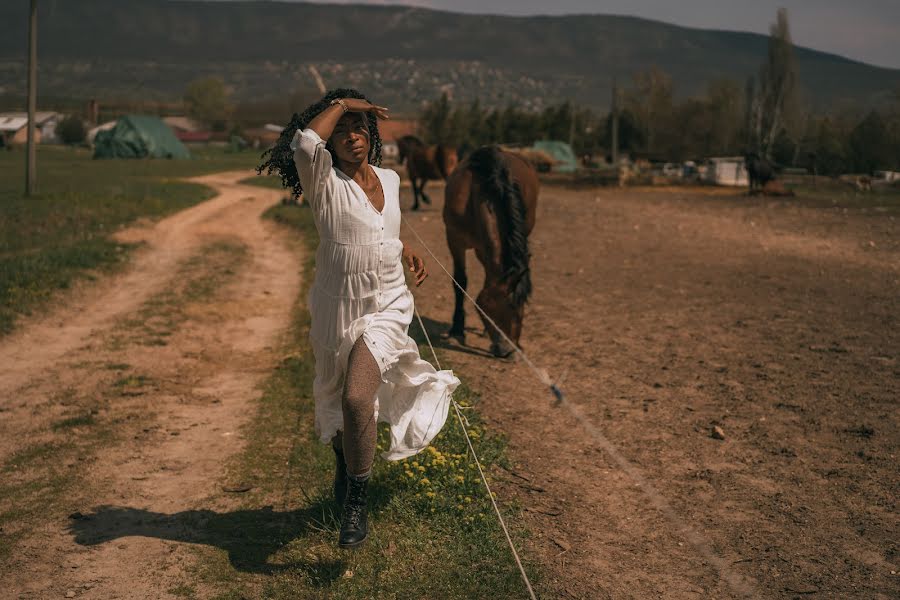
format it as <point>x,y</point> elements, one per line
<point>360,289</point>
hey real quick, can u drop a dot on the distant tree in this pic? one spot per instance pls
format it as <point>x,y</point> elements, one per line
<point>631,137</point>
<point>783,150</point>
<point>71,130</point>
<point>650,101</point>
<point>694,123</point>
<point>725,106</point>
<point>437,123</point>
<point>772,93</point>
<point>207,101</point>
<point>870,144</point>
<point>829,153</point>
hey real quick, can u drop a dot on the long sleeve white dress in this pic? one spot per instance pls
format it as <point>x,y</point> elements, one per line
<point>360,289</point>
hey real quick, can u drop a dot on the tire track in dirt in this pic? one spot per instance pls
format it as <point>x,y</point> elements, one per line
<point>194,361</point>
<point>671,315</point>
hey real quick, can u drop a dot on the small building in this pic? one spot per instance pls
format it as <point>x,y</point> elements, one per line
<point>260,137</point>
<point>727,170</point>
<point>887,176</point>
<point>393,130</point>
<point>181,123</point>
<point>390,151</point>
<point>14,127</point>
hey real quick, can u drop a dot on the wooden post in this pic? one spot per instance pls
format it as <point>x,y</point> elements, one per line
<point>30,156</point>
<point>615,123</point>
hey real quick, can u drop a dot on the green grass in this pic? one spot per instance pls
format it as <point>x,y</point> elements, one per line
<point>82,420</point>
<point>433,533</point>
<point>267,181</point>
<point>832,194</point>
<point>49,240</point>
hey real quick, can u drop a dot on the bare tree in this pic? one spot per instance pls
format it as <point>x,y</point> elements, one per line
<point>651,99</point>
<point>774,89</point>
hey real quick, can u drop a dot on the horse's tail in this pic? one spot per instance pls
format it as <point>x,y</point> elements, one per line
<point>496,182</point>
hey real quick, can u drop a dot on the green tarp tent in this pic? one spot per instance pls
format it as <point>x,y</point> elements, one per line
<point>139,136</point>
<point>562,153</point>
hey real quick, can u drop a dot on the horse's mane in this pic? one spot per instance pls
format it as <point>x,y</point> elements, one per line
<point>488,166</point>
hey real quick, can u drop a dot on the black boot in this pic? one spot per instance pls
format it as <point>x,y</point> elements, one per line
<point>355,520</point>
<point>340,477</point>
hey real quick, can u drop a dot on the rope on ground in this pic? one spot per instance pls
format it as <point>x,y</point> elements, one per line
<point>741,586</point>
<point>484,480</point>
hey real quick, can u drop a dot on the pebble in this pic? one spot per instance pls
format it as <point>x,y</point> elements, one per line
<point>717,433</point>
<point>70,594</point>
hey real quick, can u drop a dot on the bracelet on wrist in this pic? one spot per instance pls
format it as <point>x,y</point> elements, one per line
<point>340,102</point>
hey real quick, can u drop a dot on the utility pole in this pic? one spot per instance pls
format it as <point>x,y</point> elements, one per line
<point>30,156</point>
<point>571,125</point>
<point>615,123</point>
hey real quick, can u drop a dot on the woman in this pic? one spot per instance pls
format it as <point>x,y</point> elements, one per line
<point>367,367</point>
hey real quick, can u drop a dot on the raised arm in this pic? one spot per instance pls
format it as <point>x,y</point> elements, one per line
<point>325,122</point>
<point>312,159</point>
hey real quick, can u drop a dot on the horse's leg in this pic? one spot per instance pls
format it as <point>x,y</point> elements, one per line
<point>425,197</point>
<point>458,252</point>
<point>415,188</point>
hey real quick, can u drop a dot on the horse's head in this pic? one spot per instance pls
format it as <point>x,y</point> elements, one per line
<point>499,304</point>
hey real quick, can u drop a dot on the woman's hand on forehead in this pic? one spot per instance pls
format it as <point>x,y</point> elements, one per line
<point>352,122</point>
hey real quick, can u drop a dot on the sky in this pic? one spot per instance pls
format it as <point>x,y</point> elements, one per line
<point>864,30</point>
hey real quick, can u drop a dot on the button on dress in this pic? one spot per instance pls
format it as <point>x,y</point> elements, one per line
<point>360,290</point>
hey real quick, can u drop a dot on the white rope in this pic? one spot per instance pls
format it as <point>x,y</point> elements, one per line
<point>462,425</point>
<point>740,585</point>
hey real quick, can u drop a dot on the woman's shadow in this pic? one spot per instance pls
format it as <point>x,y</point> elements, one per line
<point>436,332</point>
<point>251,537</point>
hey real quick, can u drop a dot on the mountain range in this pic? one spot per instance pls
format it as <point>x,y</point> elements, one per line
<point>401,56</point>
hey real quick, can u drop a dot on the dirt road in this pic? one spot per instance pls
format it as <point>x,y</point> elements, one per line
<point>133,393</point>
<point>669,314</point>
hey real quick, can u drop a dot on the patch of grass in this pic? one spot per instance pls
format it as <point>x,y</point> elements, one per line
<point>30,454</point>
<point>433,534</point>
<point>272,182</point>
<point>83,420</point>
<point>183,591</point>
<point>132,381</point>
<point>61,234</point>
<point>835,194</point>
<point>117,366</point>
<point>197,280</point>
<point>218,262</point>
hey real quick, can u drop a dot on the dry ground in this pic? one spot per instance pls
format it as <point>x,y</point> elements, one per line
<point>668,314</point>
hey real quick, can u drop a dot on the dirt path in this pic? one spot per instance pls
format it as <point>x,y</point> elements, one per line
<point>671,314</point>
<point>135,392</point>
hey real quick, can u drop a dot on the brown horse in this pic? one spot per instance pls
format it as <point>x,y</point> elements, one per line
<point>490,204</point>
<point>425,163</point>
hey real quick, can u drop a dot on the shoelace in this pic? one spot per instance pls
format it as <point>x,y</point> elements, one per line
<point>353,513</point>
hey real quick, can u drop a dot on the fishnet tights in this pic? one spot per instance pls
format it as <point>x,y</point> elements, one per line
<point>360,385</point>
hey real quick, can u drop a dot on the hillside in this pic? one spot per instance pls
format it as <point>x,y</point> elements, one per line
<point>400,55</point>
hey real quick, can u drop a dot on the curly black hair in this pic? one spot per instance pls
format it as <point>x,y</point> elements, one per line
<point>280,156</point>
